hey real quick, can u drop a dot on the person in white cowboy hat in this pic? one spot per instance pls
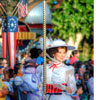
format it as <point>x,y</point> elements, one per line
<point>60,80</point>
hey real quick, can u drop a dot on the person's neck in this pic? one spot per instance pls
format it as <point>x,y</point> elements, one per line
<point>57,62</point>
<point>41,56</point>
<point>75,56</point>
<point>20,75</point>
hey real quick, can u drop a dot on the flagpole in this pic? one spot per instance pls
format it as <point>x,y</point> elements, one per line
<point>44,49</point>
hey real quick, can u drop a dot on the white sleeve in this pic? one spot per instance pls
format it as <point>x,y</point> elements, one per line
<point>39,72</point>
<point>70,80</point>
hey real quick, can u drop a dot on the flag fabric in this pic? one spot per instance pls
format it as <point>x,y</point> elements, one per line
<point>12,29</point>
<point>22,8</point>
<point>4,37</point>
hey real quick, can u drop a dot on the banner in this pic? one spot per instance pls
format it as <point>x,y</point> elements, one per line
<point>12,29</point>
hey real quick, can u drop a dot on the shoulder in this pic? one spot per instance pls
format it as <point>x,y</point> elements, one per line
<point>91,80</point>
<point>2,83</point>
<point>39,58</point>
<point>69,68</point>
<point>18,80</point>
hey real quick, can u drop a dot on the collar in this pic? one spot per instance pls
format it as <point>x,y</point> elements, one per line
<point>55,65</point>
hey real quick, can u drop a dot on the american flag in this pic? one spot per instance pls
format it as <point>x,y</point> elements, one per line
<point>12,29</point>
<point>22,8</point>
<point>4,37</point>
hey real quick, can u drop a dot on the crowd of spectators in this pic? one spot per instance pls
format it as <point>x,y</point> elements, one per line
<point>22,83</point>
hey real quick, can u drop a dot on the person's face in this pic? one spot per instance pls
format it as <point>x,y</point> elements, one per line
<point>80,90</point>
<point>82,69</point>
<point>77,54</point>
<point>60,55</point>
<point>25,55</point>
<point>4,63</point>
<point>41,54</point>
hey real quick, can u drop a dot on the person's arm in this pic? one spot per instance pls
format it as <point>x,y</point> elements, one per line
<point>70,86</point>
<point>70,81</point>
<point>3,92</point>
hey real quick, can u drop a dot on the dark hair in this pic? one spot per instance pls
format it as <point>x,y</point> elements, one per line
<point>74,52</point>
<point>54,50</point>
<point>30,63</point>
<point>77,65</point>
<point>8,71</point>
<point>86,75</point>
<point>39,51</point>
<point>16,68</point>
<point>91,72</point>
<point>78,85</point>
<point>87,64</point>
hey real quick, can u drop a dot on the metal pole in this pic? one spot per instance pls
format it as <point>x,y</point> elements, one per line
<point>44,48</point>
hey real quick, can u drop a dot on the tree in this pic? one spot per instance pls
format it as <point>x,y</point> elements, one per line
<point>73,20</point>
<point>73,16</point>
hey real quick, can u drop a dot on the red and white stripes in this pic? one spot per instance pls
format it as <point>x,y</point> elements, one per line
<point>12,48</point>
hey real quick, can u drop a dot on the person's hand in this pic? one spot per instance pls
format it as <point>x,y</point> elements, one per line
<point>56,85</point>
<point>3,88</point>
<point>39,86</point>
<point>4,91</point>
<point>1,93</point>
<point>68,89</point>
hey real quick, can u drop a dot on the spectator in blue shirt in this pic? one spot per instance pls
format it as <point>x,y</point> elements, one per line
<point>39,59</point>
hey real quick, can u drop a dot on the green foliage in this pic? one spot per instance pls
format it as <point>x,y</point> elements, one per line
<point>71,17</point>
<point>86,52</point>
